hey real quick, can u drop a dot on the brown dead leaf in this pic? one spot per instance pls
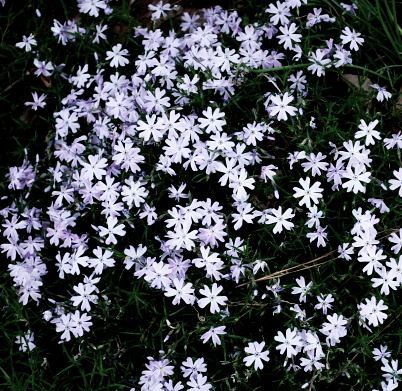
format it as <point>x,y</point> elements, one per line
<point>121,30</point>
<point>28,116</point>
<point>398,105</point>
<point>357,82</point>
<point>46,81</point>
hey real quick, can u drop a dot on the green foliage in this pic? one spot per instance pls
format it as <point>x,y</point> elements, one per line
<point>135,320</point>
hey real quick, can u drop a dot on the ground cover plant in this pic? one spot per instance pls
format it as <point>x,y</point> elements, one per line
<point>201,197</point>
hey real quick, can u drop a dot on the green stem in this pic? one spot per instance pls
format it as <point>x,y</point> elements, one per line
<point>278,69</point>
<point>367,71</point>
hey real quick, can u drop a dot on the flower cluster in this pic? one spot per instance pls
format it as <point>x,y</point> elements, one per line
<point>152,173</point>
<point>156,376</point>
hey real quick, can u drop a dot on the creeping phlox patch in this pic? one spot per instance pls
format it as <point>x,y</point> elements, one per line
<point>150,142</point>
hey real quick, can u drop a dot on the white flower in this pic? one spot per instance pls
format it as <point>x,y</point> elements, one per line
<point>101,261</point>
<point>27,42</point>
<point>290,342</point>
<point>213,121</point>
<point>396,266</point>
<point>280,219</point>
<point>324,303</point>
<point>315,163</point>
<point>239,182</point>
<point>311,362</point>
<point>26,342</point>
<point>159,10</point>
<point>198,383</point>
<point>356,177</point>
<point>388,279</point>
<point>381,353</point>
<point>373,311</point>
<point>319,234</point>
<point>302,289</point>
<point>85,296</point>
<point>151,128</point>
<point>319,63</point>
<point>345,251</point>
<point>396,239</point>
<point>396,184</point>
<point>371,255</point>
<point>280,106</point>
<point>91,7</point>
<point>117,56</point>
<point>81,322</point>
<point>82,77</point>
<point>38,101</point>
<point>158,275</point>
<point>256,355</point>
<point>181,237</point>
<point>352,38</point>
<point>212,298</point>
<point>65,326</point>
<point>100,29</point>
<point>368,131</point>
<point>308,194</point>
<point>334,329</point>
<point>112,229</point>
<point>280,13</point>
<point>392,371</point>
<point>288,35</point>
<point>214,333</point>
<point>382,93</point>
<point>43,68</point>
<point>181,291</point>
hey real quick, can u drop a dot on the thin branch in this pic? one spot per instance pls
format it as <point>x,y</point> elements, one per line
<point>321,260</point>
